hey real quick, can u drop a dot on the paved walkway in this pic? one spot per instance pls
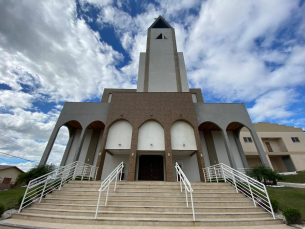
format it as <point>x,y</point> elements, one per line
<point>292,185</point>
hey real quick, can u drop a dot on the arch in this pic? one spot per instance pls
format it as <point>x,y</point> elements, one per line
<point>183,136</point>
<point>73,124</point>
<point>183,120</point>
<point>151,136</point>
<point>211,126</point>
<point>96,125</point>
<point>119,135</point>
<point>151,119</point>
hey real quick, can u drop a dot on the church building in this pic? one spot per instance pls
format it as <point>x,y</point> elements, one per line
<point>160,123</point>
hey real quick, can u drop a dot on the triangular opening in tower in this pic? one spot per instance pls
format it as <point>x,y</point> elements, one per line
<point>160,24</point>
<point>160,36</point>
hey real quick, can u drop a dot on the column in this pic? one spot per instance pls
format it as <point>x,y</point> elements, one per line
<point>259,148</point>
<point>228,148</point>
<point>68,147</point>
<point>102,155</point>
<point>132,163</point>
<point>240,148</point>
<point>49,146</point>
<point>80,144</point>
<point>199,154</point>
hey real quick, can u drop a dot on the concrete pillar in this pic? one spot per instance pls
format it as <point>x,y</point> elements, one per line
<point>80,144</point>
<point>199,154</point>
<point>49,146</point>
<point>228,148</point>
<point>259,148</point>
<point>168,155</point>
<point>68,147</point>
<point>102,155</point>
<point>240,149</point>
<point>132,163</point>
<point>92,146</point>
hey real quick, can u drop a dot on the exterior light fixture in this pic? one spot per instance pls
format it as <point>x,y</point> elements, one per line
<point>201,155</point>
<point>168,154</point>
<point>183,144</point>
<point>150,114</point>
<point>151,144</point>
<point>121,115</point>
<point>132,154</point>
<point>119,144</point>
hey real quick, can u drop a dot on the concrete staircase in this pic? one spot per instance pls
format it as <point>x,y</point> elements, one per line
<point>148,204</point>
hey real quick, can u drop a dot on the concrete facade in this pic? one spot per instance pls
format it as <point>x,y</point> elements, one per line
<point>163,117</point>
<point>278,146</point>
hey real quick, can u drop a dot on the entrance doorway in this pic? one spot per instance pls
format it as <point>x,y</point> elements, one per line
<point>151,167</point>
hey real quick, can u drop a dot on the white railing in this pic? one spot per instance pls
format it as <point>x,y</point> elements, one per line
<point>43,185</point>
<point>250,187</point>
<point>187,186</point>
<point>106,184</point>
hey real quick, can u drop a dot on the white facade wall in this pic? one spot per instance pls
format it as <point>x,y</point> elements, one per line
<point>190,167</point>
<point>162,73</point>
<point>85,147</point>
<point>141,73</point>
<point>182,136</point>
<point>119,135</point>
<point>151,137</point>
<point>111,162</point>
<point>74,145</point>
<point>183,76</point>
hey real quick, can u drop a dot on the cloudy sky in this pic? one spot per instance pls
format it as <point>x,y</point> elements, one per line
<point>54,51</point>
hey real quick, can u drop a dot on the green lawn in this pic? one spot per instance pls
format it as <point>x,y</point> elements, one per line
<point>300,178</point>
<point>289,198</point>
<point>10,197</point>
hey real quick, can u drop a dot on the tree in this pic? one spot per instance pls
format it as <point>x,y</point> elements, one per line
<point>264,174</point>
<point>40,170</point>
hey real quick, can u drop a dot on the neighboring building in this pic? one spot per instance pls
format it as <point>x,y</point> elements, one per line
<point>284,146</point>
<point>156,125</point>
<point>8,175</point>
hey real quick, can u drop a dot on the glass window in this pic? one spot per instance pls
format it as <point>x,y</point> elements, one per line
<point>295,139</point>
<point>247,139</point>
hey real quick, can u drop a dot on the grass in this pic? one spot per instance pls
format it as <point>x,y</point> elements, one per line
<point>300,178</point>
<point>10,197</point>
<point>289,198</point>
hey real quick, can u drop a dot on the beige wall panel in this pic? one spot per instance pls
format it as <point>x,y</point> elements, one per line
<point>298,161</point>
<point>10,173</point>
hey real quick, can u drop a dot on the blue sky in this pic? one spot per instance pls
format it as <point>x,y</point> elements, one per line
<point>237,51</point>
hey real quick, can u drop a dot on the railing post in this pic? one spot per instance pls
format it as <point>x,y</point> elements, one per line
<point>180,181</point>
<point>251,192</point>
<point>90,173</point>
<point>192,206</point>
<point>223,173</point>
<point>26,191</point>
<point>233,176</point>
<point>209,174</point>
<point>205,179</point>
<point>187,201</point>
<point>121,174</point>
<point>96,168</point>
<point>98,204</point>
<point>215,174</point>
<point>84,167</point>
<point>75,168</point>
<point>44,187</point>
<point>61,182</point>
<point>107,195</point>
<point>270,205</point>
<point>116,179</point>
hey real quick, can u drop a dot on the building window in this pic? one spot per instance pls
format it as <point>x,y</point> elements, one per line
<point>194,97</point>
<point>247,139</point>
<point>109,97</point>
<point>295,139</point>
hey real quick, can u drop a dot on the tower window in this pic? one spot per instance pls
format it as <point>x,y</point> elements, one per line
<point>295,139</point>
<point>160,36</point>
<point>247,139</point>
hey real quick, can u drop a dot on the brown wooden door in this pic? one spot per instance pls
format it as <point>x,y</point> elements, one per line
<point>269,146</point>
<point>151,167</point>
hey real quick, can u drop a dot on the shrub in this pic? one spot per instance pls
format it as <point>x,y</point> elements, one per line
<point>264,174</point>
<point>2,209</point>
<point>275,205</point>
<point>292,215</point>
<point>24,178</point>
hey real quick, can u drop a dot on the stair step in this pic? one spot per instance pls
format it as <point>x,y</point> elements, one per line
<point>148,221</point>
<point>132,208</point>
<point>156,215</point>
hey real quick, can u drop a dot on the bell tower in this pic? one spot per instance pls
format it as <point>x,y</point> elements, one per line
<point>162,68</point>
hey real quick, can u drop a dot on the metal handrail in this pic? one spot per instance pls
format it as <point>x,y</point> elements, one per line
<point>43,185</point>
<point>106,184</point>
<point>187,186</point>
<point>250,187</point>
